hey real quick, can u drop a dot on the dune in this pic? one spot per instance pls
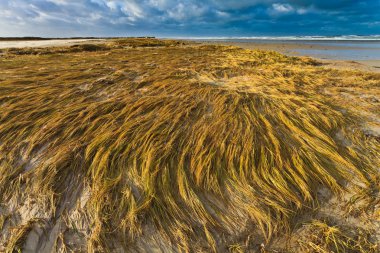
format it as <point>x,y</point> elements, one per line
<point>144,145</point>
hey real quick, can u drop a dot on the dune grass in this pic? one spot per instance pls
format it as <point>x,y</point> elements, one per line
<point>321,237</point>
<point>138,145</point>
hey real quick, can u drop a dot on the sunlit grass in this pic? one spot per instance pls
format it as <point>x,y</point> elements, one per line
<point>321,237</point>
<point>180,143</point>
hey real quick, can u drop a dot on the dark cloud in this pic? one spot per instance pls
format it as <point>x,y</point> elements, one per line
<point>188,17</point>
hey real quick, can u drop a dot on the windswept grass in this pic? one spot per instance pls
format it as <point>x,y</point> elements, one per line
<point>322,238</point>
<point>178,148</point>
<point>93,47</point>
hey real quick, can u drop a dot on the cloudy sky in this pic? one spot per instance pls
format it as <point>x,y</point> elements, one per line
<point>168,18</point>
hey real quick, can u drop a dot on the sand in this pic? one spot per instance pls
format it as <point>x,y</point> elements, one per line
<point>45,43</point>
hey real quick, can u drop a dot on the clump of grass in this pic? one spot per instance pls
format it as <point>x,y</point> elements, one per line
<point>366,200</point>
<point>176,146</point>
<point>88,48</point>
<point>2,221</point>
<point>322,238</point>
<point>23,51</point>
<point>18,237</point>
<point>146,42</point>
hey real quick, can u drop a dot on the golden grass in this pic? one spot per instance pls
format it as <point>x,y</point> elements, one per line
<point>193,145</point>
<point>324,238</point>
<point>94,47</point>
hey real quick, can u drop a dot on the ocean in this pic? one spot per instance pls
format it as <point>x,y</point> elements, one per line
<point>352,47</point>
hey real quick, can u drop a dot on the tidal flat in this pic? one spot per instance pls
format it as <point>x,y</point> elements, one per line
<point>147,145</point>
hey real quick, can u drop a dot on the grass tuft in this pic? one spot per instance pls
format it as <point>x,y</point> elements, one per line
<point>323,238</point>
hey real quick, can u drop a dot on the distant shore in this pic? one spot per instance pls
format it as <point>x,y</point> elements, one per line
<point>41,38</point>
<point>329,52</point>
<point>337,54</point>
<point>68,38</point>
<point>21,42</point>
<point>45,42</point>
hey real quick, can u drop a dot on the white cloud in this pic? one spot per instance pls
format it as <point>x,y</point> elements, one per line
<point>58,2</point>
<point>282,8</point>
<point>133,10</point>
<point>112,5</point>
<point>222,14</point>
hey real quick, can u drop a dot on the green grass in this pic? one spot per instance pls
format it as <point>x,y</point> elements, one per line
<point>192,145</point>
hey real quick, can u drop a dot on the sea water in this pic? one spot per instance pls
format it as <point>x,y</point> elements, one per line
<point>351,47</point>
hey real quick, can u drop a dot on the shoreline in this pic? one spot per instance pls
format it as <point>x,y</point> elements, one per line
<point>298,48</point>
<point>290,48</point>
<point>4,44</point>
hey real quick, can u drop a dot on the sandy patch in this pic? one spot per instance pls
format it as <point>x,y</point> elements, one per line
<point>45,43</point>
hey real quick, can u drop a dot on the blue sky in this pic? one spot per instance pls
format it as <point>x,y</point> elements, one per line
<point>165,18</point>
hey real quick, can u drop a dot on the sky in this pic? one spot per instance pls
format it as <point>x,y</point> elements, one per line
<point>188,18</point>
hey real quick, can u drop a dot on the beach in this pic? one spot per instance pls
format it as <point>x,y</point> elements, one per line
<point>343,54</point>
<point>44,43</point>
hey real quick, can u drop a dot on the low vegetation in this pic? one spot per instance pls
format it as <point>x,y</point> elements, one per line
<point>140,144</point>
<point>98,46</point>
<point>319,236</point>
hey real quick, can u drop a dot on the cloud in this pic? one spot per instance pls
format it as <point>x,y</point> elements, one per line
<point>187,17</point>
<point>133,10</point>
<point>282,8</point>
<point>238,4</point>
<point>279,9</point>
<point>184,11</point>
<point>302,11</point>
